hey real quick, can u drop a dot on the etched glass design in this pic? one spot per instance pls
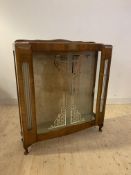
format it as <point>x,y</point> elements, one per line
<point>64,89</point>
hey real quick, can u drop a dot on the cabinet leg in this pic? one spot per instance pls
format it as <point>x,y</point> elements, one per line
<point>100,127</point>
<point>26,151</point>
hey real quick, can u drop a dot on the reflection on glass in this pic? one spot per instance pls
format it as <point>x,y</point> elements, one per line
<point>63,89</point>
<point>104,86</point>
<point>27,94</point>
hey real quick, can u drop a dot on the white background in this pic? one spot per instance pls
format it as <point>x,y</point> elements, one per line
<point>105,21</point>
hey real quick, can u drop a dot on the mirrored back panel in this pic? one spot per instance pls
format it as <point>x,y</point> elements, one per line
<point>64,89</point>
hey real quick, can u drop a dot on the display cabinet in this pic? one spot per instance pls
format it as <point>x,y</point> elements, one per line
<point>61,85</point>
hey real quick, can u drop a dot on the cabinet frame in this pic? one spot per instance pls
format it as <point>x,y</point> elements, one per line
<point>23,52</point>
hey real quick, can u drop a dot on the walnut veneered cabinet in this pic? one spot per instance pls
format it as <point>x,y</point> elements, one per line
<point>61,85</point>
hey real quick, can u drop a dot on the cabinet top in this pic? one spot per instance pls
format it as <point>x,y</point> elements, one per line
<point>60,45</point>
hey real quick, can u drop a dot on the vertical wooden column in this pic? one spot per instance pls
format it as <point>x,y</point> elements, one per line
<point>26,93</point>
<point>103,84</point>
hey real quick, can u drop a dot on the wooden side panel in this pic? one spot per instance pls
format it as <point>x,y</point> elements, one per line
<point>25,83</point>
<point>103,84</point>
<point>17,86</point>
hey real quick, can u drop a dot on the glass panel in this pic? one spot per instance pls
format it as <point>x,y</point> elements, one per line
<point>104,86</point>
<point>64,89</point>
<point>96,81</point>
<point>27,94</point>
